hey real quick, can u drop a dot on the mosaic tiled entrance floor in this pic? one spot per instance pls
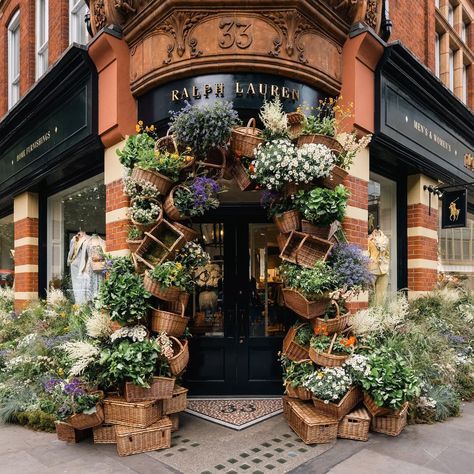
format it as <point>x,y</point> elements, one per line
<point>200,447</point>
<point>235,413</point>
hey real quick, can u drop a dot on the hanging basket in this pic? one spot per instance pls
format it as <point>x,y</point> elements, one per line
<point>175,306</point>
<point>133,245</point>
<point>337,176</point>
<point>331,325</point>
<point>281,241</point>
<point>295,122</point>
<point>298,392</point>
<point>288,221</point>
<point>82,421</point>
<point>179,361</point>
<point>330,142</point>
<point>302,306</point>
<point>244,140</point>
<point>156,244</point>
<point>291,348</point>
<point>189,234</point>
<point>145,227</point>
<point>316,231</point>
<point>341,409</point>
<point>161,388</point>
<point>171,210</point>
<point>214,163</point>
<point>168,143</point>
<point>167,294</point>
<point>291,189</point>
<point>374,409</point>
<point>326,359</point>
<point>159,181</point>
<point>171,323</point>
<point>305,250</point>
<point>241,176</point>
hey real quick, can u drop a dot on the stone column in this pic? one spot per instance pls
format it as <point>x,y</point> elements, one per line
<point>422,236</point>
<point>25,217</point>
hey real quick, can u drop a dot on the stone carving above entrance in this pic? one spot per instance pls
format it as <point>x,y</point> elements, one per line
<point>169,39</point>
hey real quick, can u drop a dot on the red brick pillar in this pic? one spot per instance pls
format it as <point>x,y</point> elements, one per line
<point>26,248</point>
<point>58,29</point>
<point>422,236</point>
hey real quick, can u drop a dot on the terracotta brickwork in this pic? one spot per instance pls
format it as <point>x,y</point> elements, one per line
<point>117,223</point>
<point>58,28</point>
<point>359,189</point>
<point>117,235</point>
<point>419,216</point>
<point>115,197</point>
<point>420,246</point>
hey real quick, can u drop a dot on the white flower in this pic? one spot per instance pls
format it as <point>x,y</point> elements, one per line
<point>55,297</point>
<point>99,324</point>
<point>135,333</point>
<point>82,354</point>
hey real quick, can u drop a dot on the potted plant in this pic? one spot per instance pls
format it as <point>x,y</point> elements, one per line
<point>168,280</point>
<point>282,210</point>
<point>134,238</point>
<point>333,320</point>
<point>294,374</point>
<point>307,290</point>
<point>74,405</point>
<point>275,120</point>
<point>296,342</point>
<point>122,293</point>
<point>192,199</point>
<point>244,140</point>
<point>323,206</point>
<point>135,145</point>
<point>333,391</point>
<point>330,351</point>
<point>145,212</point>
<point>243,171</point>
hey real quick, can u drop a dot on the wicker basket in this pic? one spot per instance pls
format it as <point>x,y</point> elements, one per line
<point>326,359</point>
<point>172,324</point>
<point>104,434</point>
<point>244,140</point>
<point>155,239</point>
<point>331,325</point>
<point>189,234</point>
<point>291,189</point>
<point>281,241</point>
<point>337,176</point>
<point>341,409</point>
<point>391,425</point>
<point>215,163</point>
<point>81,421</point>
<point>317,231</point>
<point>179,361</point>
<point>136,414</point>
<point>310,425</point>
<point>175,306</point>
<point>374,409</point>
<point>298,392</point>
<point>295,122</point>
<point>305,250</point>
<point>171,210</point>
<point>288,221</point>
<point>355,425</point>
<point>291,349</point>
<point>242,178</point>
<point>142,440</point>
<point>145,227</point>
<point>302,306</point>
<point>168,143</point>
<point>66,432</point>
<point>330,142</point>
<point>159,181</point>
<point>174,417</point>
<point>133,245</point>
<point>178,402</point>
<point>172,293</point>
<point>161,388</point>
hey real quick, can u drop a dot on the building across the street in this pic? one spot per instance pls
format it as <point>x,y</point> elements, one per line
<point>73,90</point>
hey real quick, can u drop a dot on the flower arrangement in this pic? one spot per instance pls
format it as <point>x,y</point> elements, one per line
<point>295,373</point>
<point>136,145</point>
<point>317,160</point>
<point>163,162</point>
<point>204,128</point>
<point>311,282</point>
<point>351,267</point>
<point>122,294</point>
<point>135,188</point>
<point>192,256</point>
<point>172,273</point>
<point>323,206</point>
<point>136,333</point>
<point>134,233</point>
<point>329,384</point>
<point>321,342</point>
<point>197,197</point>
<point>275,120</point>
<point>351,147</point>
<point>144,211</point>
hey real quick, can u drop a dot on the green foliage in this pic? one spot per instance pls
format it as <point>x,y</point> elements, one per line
<point>323,125</point>
<point>134,233</point>
<point>123,293</point>
<point>135,147</point>
<point>323,206</point>
<point>311,282</point>
<point>163,162</point>
<point>172,273</point>
<point>295,373</point>
<point>304,335</point>
<point>341,346</point>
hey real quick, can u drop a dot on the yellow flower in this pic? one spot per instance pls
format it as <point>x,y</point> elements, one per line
<point>140,122</point>
<point>152,128</point>
<point>61,372</point>
<point>188,158</point>
<point>178,265</point>
<point>62,314</point>
<point>137,128</point>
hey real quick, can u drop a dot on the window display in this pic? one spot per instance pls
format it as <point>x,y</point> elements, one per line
<point>76,239</point>
<point>6,251</point>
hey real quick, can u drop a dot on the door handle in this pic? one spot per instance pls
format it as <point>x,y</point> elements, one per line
<point>241,340</point>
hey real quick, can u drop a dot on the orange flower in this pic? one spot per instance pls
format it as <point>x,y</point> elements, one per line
<point>252,168</point>
<point>321,330</point>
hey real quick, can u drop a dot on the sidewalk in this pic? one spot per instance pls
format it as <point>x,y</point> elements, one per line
<point>203,447</point>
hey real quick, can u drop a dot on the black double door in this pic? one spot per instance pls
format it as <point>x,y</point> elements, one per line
<point>238,320</point>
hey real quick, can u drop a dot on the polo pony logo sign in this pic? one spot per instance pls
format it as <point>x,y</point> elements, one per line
<point>454,210</point>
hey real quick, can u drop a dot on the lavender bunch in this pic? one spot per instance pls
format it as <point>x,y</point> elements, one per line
<point>198,197</point>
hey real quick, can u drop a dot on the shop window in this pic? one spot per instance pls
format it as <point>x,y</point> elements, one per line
<point>6,251</point>
<point>383,215</point>
<point>76,239</point>
<point>77,26</point>
<point>456,251</point>
<point>437,4</point>
<point>14,60</point>
<point>42,37</point>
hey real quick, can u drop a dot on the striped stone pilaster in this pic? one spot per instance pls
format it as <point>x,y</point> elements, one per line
<point>117,204</point>
<point>422,233</point>
<point>25,217</point>
<point>355,221</point>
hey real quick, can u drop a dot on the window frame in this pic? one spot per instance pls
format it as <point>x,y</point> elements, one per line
<point>75,7</point>
<point>13,82</point>
<point>451,70</point>
<point>437,55</point>
<point>42,50</point>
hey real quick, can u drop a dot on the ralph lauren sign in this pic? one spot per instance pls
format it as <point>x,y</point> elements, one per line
<point>454,210</point>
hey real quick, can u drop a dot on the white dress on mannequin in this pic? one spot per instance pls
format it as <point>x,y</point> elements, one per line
<point>95,248</point>
<point>76,260</point>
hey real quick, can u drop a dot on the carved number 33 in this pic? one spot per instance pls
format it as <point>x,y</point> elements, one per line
<point>235,32</point>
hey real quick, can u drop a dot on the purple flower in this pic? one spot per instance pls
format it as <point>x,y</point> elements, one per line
<point>73,388</point>
<point>50,384</point>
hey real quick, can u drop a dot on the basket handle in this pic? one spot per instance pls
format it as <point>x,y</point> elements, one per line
<point>332,342</point>
<point>180,345</point>
<point>182,306</point>
<point>252,123</point>
<point>338,310</point>
<point>165,138</point>
<point>298,249</point>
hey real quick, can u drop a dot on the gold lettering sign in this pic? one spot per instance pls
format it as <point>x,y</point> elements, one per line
<point>419,127</point>
<point>32,146</point>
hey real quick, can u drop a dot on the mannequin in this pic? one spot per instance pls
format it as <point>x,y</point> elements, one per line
<point>77,261</point>
<point>95,251</point>
<point>379,254</point>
